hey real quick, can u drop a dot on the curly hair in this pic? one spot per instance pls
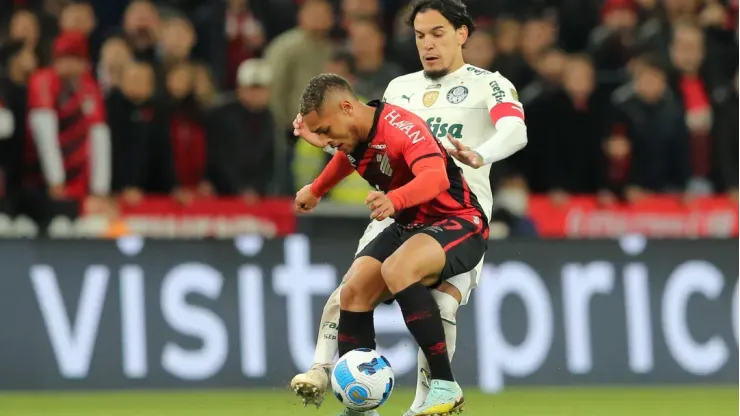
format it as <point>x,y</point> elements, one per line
<point>318,88</point>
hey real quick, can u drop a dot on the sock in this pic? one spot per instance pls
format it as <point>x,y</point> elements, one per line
<point>448,308</point>
<point>326,344</point>
<point>423,320</point>
<point>356,330</point>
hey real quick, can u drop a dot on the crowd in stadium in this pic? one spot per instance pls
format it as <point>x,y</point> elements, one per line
<point>623,98</point>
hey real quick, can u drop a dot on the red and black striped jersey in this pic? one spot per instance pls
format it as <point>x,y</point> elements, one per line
<point>398,140</point>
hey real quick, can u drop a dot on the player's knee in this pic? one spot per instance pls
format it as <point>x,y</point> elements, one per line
<point>351,298</point>
<point>448,305</point>
<point>394,273</point>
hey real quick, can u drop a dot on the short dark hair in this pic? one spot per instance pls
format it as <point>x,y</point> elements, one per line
<point>651,60</point>
<point>346,58</point>
<point>455,11</point>
<point>318,88</point>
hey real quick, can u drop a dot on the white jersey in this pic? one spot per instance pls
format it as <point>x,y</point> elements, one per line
<point>463,104</point>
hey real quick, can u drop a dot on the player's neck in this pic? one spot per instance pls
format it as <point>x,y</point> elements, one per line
<point>365,113</point>
<point>459,63</point>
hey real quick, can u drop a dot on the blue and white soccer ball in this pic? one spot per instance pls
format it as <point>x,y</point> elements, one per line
<point>362,380</point>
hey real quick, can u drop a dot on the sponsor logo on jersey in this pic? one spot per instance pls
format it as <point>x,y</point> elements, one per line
<point>434,87</point>
<point>478,71</point>
<point>430,98</point>
<point>406,126</point>
<point>441,129</point>
<point>457,94</point>
<point>497,92</point>
<point>378,146</point>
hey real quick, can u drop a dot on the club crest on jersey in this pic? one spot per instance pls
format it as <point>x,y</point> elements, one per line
<point>457,94</point>
<point>430,98</point>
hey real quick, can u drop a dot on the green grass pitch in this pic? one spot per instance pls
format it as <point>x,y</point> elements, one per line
<point>668,401</point>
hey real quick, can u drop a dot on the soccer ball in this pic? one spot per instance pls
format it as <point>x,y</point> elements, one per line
<point>362,380</point>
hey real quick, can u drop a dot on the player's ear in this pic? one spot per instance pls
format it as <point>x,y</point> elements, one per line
<point>346,107</point>
<point>462,35</point>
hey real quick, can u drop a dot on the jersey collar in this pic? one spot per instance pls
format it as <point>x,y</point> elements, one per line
<point>361,148</point>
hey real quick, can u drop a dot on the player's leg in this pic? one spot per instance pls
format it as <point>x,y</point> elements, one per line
<point>312,384</point>
<point>433,253</point>
<point>448,298</point>
<point>450,295</point>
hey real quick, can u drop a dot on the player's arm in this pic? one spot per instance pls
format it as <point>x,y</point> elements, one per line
<point>426,161</point>
<point>335,171</point>
<point>507,115</point>
<point>100,149</point>
<point>44,124</point>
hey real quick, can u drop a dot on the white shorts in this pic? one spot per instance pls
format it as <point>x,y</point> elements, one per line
<point>465,282</point>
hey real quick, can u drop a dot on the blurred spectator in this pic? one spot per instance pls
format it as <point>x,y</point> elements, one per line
<point>343,64</point>
<point>404,43</point>
<point>78,16</point>
<point>229,33</point>
<point>48,18</point>
<point>655,34</point>
<point>114,56</point>
<point>537,36</point>
<point>24,26</point>
<point>649,143</point>
<point>245,36</point>
<point>140,136</point>
<point>351,11</point>
<point>479,50</point>
<point>18,62</point>
<point>549,73</point>
<point>242,135</point>
<point>69,157</point>
<point>694,90</point>
<point>141,25</point>
<point>725,135</point>
<point>186,132</point>
<point>509,61</point>
<point>374,72</point>
<point>576,124</point>
<point>614,42</point>
<point>510,205</point>
<point>176,41</point>
<point>295,57</point>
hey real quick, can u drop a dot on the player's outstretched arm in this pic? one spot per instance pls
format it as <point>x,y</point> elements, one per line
<point>335,171</point>
<point>507,115</point>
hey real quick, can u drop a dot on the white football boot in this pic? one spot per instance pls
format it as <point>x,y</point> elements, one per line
<point>312,384</point>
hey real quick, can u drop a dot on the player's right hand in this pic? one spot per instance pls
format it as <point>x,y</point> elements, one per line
<point>301,131</point>
<point>305,200</point>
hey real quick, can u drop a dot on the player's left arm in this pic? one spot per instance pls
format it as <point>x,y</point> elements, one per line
<point>507,115</point>
<point>100,145</point>
<point>425,158</point>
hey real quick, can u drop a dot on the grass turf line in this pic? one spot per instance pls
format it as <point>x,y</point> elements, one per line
<point>668,401</point>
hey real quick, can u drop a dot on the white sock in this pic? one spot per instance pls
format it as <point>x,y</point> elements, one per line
<point>326,344</point>
<point>448,309</point>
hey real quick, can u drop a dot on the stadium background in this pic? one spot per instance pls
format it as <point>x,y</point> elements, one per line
<point>611,287</point>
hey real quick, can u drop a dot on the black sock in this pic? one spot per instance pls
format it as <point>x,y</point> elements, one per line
<point>356,330</point>
<point>424,321</point>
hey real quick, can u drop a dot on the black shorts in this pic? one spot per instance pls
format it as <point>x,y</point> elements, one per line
<point>464,240</point>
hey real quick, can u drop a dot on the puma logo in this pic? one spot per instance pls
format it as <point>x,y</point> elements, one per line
<point>407,97</point>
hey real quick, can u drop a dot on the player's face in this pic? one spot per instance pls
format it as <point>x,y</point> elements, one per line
<point>438,42</point>
<point>335,124</point>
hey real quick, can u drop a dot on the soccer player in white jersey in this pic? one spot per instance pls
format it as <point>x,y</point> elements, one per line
<point>477,115</point>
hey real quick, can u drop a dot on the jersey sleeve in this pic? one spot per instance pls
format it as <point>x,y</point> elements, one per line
<point>502,99</point>
<point>41,90</point>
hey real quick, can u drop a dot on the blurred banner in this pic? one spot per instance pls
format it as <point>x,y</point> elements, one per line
<point>168,314</point>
